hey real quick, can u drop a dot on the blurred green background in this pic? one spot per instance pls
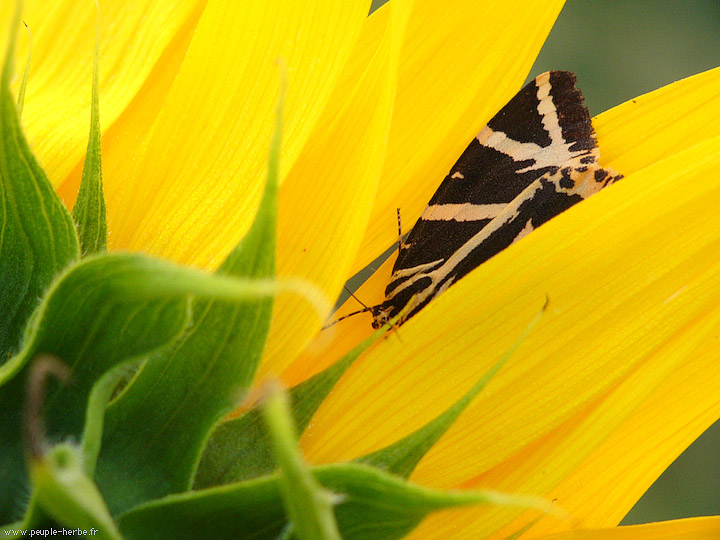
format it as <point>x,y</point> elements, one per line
<point>620,49</point>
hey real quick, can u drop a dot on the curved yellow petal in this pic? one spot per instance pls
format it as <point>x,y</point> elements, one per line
<point>326,200</point>
<point>127,133</point>
<point>655,125</point>
<point>631,275</point>
<point>56,116</point>
<point>634,135</point>
<point>192,192</point>
<point>611,479</point>
<point>602,464</point>
<point>702,528</point>
<point>461,62</point>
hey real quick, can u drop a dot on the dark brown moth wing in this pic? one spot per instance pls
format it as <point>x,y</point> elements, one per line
<point>536,158</point>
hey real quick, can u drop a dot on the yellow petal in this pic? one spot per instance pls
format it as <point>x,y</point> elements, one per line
<point>326,201</point>
<point>337,340</point>
<point>610,480</point>
<point>192,193</point>
<point>127,133</point>
<point>702,528</point>
<point>621,464</point>
<point>633,135</point>
<point>660,123</point>
<point>675,109</point>
<point>631,275</point>
<point>461,62</point>
<point>57,104</point>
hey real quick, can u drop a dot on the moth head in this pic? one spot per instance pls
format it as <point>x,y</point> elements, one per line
<point>381,315</point>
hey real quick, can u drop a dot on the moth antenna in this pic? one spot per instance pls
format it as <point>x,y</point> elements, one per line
<point>400,240</point>
<point>364,310</point>
<point>363,304</point>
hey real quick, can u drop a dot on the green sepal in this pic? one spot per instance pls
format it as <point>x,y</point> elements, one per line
<point>402,457</point>
<point>308,505</point>
<point>160,425</point>
<point>371,504</point>
<point>89,211</point>
<point>66,493</point>
<point>88,323</point>
<point>37,235</point>
<point>239,449</point>
<point>102,312</point>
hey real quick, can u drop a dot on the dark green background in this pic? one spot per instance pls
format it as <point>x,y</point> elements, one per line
<point>620,49</point>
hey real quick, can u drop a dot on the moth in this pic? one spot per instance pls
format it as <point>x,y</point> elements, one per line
<point>534,159</point>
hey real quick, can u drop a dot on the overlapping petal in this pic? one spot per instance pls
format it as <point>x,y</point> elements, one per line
<point>603,488</point>
<point>190,192</point>
<point>135,34</point>
<point>125,136</point>
<point>326,200</point>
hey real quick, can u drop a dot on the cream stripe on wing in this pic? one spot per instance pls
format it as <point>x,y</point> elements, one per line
<point>461,212</point>
<point>547,156</point>
<point>548,111</point>
<point>438,275</point>
<point>497,140</point>
<point>404,272</point>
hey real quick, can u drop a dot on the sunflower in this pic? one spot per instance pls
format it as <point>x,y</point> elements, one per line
<point>611,383</point>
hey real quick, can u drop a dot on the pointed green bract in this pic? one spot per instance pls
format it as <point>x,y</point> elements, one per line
<point>308,505</point>
<point>89,210</point>
<point>160,425</point>
<point>372,505</point>
<point>37,235</point>
<point>239,449</point>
